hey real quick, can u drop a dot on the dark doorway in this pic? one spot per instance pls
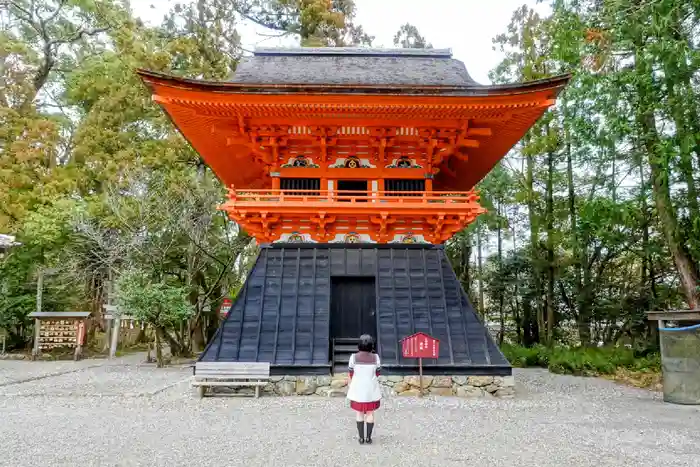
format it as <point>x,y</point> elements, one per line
<point>353,307</point>
<point>357,187</point>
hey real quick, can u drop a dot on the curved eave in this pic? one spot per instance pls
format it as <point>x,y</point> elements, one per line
<point>195,106</point>
<point>161,79</point>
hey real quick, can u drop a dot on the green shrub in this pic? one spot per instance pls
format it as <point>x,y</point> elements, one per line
<point>580,361</point>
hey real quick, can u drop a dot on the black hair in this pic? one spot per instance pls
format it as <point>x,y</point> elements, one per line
<point>366,343</point>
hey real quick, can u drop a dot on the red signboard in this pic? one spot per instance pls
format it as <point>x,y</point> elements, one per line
<point>225,306</point>
<point>420,345</point>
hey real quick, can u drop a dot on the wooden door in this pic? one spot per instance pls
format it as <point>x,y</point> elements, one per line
<point>353,307</point>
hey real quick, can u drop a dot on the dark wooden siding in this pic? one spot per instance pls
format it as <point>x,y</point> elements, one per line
<point>282,315</point>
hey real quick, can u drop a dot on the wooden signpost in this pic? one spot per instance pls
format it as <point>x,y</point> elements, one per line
<point>420,346</point>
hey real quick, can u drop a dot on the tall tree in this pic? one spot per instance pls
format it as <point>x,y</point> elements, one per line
<point>408,37</point>
<point>318,23</point>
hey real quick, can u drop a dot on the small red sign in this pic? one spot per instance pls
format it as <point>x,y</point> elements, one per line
<point>225,306</point>
<point>420,345</point>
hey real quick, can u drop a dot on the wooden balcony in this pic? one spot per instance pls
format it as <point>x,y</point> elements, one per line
<point>325,215</point>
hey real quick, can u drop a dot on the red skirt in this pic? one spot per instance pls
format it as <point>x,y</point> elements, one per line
<point>364,406</point>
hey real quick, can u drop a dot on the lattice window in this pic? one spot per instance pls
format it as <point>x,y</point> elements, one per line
<point>399,187</point>
<point>311,186</point>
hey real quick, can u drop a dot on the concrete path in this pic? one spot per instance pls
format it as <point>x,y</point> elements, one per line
<point>126,414</point>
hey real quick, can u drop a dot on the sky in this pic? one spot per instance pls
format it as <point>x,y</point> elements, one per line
<point>465,26</point>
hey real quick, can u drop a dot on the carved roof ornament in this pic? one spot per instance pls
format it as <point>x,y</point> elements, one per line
<point>352,163</point>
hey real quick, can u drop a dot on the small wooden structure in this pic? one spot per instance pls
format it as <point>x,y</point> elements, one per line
<point>230,374</point>
<point>59,329</point>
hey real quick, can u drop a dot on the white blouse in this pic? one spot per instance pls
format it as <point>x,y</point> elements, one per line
<point>364,384</point>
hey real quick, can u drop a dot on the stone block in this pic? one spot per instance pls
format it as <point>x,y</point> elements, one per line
<point>285,388</point>
<point>276,379</point>
<point>269,388</point>
<point>491,388</point>
<point>338,383</point>
<point>479,381</point>
<point>395,379</point>
<point>415,381</point>
<point>290,378</point>
<point>342,392</point>
<point>460,380</point>
<point>306,385</point>
<point>323,380</point>
<point>401,387</point>
<point>442,382</point>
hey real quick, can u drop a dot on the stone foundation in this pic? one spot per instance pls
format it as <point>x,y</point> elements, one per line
<point>336,386</point>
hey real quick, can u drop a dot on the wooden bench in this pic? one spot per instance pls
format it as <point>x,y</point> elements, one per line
<point>230,374</point>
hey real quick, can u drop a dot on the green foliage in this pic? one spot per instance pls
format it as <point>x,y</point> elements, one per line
<point>592,361</point>
<point>155,302</point>
<point>598,206</point>
<point>408,37</point>
<point>318,23</point>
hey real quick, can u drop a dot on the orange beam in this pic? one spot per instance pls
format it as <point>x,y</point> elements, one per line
<point>351,174</point>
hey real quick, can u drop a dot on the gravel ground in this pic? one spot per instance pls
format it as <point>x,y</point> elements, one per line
<point>554,421</point>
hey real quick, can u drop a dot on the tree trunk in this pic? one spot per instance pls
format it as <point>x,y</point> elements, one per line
<point>482,311</point>
<point>687,270</point>
<point>536,294</point>
<point>159,350</point>
<point>550,245</point>
<point>516,294</point>
<point>501,291</point>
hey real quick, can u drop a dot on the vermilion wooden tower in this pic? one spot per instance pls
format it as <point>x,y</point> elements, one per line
<point>347,145</point>
<point>340,146</point>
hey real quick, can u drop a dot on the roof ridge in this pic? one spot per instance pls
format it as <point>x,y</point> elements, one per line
<point>353,52</point>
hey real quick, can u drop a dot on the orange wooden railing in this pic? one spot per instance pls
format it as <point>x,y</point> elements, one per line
<point>342,198</point>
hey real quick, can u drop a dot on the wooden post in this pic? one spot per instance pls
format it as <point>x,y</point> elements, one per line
<point>116,324</point>
<point>79,336</point>
<point>108,333</point>
<point>420,376</point>
<point>35,350</point>
<point>39,289</point>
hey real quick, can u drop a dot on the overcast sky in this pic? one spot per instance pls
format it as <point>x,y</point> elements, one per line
<point>465,26</point>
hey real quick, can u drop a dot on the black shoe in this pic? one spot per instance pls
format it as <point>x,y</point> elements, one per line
<point>361,432</point>
<point>368,438</point>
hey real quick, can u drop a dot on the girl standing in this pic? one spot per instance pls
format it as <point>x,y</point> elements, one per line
<point>364,391</point>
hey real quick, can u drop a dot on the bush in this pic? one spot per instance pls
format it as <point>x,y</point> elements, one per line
<point>581,361</point>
